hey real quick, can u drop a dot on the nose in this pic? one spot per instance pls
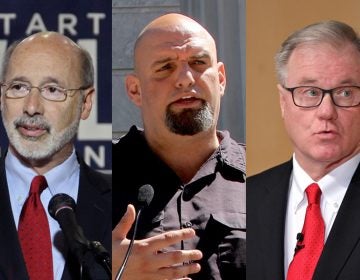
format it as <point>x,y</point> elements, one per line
<point>327,109</point>
<point>33,102</point>
<point>185,78</point>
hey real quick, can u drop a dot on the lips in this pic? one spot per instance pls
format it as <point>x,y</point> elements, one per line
<point>187,101</point>
<point>32,127</point>
<point>31,130</point>
<point>327,135</point>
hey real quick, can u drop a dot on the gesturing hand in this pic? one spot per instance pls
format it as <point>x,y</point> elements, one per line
<point>145,262</point>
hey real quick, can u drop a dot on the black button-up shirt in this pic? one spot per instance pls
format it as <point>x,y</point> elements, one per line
<point>212,203</point>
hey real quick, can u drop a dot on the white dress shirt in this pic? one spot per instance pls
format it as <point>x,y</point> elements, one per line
<point>333,187</point>
<point>63,178</point>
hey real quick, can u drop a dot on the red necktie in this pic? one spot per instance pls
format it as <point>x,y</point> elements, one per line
<point>34,234</point>
<point>311,242</point>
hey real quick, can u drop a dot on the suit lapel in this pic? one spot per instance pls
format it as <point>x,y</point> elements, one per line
<point>12,264</point>
<point>92,213</point>
<point>344,234</point>
<point>92,205</point>
<point>273,213</point>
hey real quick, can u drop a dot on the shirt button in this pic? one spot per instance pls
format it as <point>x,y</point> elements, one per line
<point>187,224</point>
<point>336,205</point>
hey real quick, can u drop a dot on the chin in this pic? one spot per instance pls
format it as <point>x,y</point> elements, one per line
<point>327,156</point>
<point>34,152</point>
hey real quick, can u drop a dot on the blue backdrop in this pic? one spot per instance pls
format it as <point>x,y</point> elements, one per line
<point>87,22</point>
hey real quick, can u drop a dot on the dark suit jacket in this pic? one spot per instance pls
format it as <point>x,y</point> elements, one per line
<point>93,212</point>
<point>266,208</point>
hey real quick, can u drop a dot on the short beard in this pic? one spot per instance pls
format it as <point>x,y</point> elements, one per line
<point>35,148</point>
<point>190,121</point>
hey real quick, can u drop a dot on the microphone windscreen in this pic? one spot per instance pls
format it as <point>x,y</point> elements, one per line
<point>145,195</point>
<point>60,201</point>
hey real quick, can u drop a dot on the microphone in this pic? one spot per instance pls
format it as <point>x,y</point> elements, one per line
<point>145,196</point>
<point>300,239</point>
<point>62,208</point>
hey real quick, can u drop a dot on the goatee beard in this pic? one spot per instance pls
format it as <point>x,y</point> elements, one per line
<point>190,121</point>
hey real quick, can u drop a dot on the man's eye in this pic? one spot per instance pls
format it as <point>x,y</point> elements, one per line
<point>52,90</point>
<point>312,92</point>
<point>18,87</point>
<point>198,62</point>
<point>164,68</point>
<point>345,93</point>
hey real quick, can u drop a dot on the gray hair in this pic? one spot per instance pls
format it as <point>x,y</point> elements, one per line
<point>331,32</point>
<point>87,68</point>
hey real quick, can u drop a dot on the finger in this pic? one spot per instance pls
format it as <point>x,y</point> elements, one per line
<point>124,226</point>
<point>179,271</point>
<point>178,257</point>
<point>158,242</point>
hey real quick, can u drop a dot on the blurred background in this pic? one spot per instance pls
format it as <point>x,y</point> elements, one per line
<point>268,24</point>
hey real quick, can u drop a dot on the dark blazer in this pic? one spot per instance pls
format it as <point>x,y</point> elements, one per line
<point>93,212</point>
<point>266,209</point>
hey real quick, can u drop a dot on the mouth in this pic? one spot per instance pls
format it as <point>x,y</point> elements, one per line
<point>32,127</point>
<point>31,130</point>
<point>327,134</point>
<point>187,101</point>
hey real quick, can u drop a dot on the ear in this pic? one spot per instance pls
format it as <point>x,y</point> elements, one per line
<point>282,99</point>
<point>222,77</point>
<point>133,89</point>
<point>87,103</point>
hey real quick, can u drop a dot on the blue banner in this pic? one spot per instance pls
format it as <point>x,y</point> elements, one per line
<point>87,22</point>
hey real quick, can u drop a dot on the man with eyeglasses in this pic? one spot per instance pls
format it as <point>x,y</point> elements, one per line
<point>47,85</point>
<point>303,215</point>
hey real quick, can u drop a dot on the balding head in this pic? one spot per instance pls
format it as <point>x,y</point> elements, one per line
<point>178,82</point>
<point>58,43</point>
<point>49,38</point>
<point>170,24</point>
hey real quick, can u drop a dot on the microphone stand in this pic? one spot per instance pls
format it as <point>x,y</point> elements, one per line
<point>102,255</point>
<point>94,253</point>
<point>128,252</point>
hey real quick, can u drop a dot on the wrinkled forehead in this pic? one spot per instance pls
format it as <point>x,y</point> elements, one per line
<point>55,58</point>
<point>177,38</point>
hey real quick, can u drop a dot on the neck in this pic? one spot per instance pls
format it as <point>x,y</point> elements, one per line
<point>184,154</point>
<point>41,166</point>
<point>318,169</point>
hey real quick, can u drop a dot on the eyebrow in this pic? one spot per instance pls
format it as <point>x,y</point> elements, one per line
<point>307,81</point>
<point>161,61</point>
<point>45,80</point>
<point>19,78</point>
<point>202,55</point>
<point>48,79</point>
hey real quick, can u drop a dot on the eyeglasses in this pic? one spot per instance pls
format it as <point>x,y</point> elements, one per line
<point>17,90</point>
<point>309,96</point>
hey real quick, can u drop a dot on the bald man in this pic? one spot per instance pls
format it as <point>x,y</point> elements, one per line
<point>195,224</point>
<point>47,86</point>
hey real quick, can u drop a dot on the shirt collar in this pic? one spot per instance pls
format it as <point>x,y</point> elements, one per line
<point>14,167</point>
<point>229,154</point>
<point>232,153</point>
<point>333,185</point>
<point>300,181</point>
